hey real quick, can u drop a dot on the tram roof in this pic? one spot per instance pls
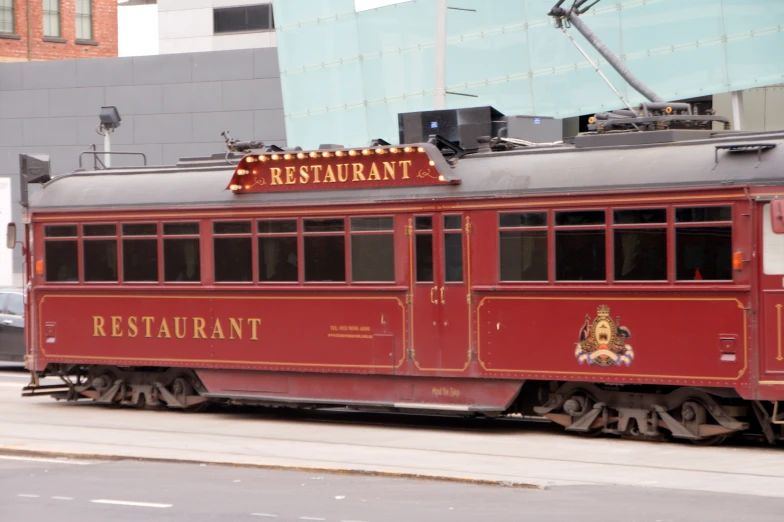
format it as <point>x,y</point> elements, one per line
<point>758,159</point>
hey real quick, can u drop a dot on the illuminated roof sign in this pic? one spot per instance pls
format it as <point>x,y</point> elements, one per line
<point>337,169</point>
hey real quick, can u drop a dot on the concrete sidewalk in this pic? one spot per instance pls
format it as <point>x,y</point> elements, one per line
<point>527,456</point>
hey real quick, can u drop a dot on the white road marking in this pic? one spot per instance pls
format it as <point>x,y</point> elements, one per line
<point>129,503</point>
<point>62,498</point>
<point>268,515</point>
<point>25,495</point>
<point>48,461</point>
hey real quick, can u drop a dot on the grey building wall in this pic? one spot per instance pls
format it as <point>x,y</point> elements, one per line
<point>172,106</point>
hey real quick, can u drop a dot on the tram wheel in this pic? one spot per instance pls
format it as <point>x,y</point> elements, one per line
<point>715,440</point>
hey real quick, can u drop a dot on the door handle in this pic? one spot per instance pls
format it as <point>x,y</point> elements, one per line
<point>442,296</point>
<point>433,300</point>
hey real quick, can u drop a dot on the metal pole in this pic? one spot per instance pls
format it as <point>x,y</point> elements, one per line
<point>737,110</point>
<point>107,147</point>
<point>612,59</point>
<point>439,57</point>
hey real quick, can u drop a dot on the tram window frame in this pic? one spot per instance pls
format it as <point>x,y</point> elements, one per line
<point>509,228</point>
<point>660,224</point>
<point>309,240</point>
<point>265,235</point>
<point>693,225</point>
<point>177,236</point>
<point>106,238</point>
<point>226,250</point>
<point>388,234</point>
<point>603,227</point>
<point>57,233</point>
<point>127,234</point>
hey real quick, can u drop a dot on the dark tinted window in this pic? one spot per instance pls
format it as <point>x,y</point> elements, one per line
<point>423,223</point>
<point>233,259</point>
<point>523,255</point>
<point>231,227</point>
<point>703,214</point>
<point>99,230</point>
<point>373,257</point>
<point>703,253</point>
<point>140,229</point>
<point>325,258</point>
<point>522,219</point>
<point>453,257</point>
<point>181,261</point>
<point>640,216</point>
<point>324,225</point>
<point>246,18</point>
<point>580,217</point>
<point>278,260</point>
<point>579,255</point>
<point>424,257</point>
<point>140,259</point>
<point>278,226</point>
<point>100,260</point>
<point>371,224</point>
<point>641,254</point>
<point>453,222</point>
<point>61,261</point>
<point>60,231</point>
<point>180,229</point>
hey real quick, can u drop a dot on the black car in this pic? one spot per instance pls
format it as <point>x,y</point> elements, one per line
<point>12,342</point>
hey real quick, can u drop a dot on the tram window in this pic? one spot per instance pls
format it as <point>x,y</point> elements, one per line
<point>100,260</point>
<point>523,219</point>
<point>580,255</point>
<point>640,254</point>
<point>140,229</point>
<point>453,222</point>
<point>703,253</point>
<point>372,255</point>
<point>233,256</point>
<point>703,214</point>
<point>180,229</point>
<point>324,225</point>
<point>99,230</point>
<point>140,259</point>
<point>640,216</point>
<point>60,231</point>
<point>523,255</point>
<point>62,259</point>
<point>283,226</point>
<point>181,256</point>
<point>278,259</point>
<point>579,217</point>
<point>325,258</point>
<point>424,258</point>
<point>453,257</point>
<point>423,223</point>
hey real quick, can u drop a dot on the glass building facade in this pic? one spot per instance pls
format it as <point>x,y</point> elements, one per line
<point>346,74</point>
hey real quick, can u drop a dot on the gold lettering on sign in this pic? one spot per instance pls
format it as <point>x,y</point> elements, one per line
<point>275,176</point>
<point>129,327</point>
<point>358,171</point>
<point>290,179</point>
<point>329,175</point>
<point>389,170</point>
<point>343,173</point>
<point>304,176</point>
<point>374,175</point>
<point>405,164</point>
<point>98,326</point>
<point>316,169</point>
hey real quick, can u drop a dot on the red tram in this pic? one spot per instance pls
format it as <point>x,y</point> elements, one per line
<point>626,283</point>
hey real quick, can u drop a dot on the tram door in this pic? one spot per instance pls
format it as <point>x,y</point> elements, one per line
<point>440,325</point>
<point>772,301</point>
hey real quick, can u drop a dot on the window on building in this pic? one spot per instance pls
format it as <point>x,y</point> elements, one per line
<point>580,246</point>
<point>325,253</point>
<point>181,255</point>
<point>99,252</point>
<point>140,252</point>
<point>243,19</point>
<point>52,18</point>
<point>372,249</point>
<point>84,19</point>
<point>7,16</point>
<point>640,244</point>
<point>61,253</point>
<point>522,239</point>
<point>233,251</point>
<point>278,253</point>
<point>703,243</point>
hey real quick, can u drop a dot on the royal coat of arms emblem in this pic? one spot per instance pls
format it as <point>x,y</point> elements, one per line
<point>603,342</point>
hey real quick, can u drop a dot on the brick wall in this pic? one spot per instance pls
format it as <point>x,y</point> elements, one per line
<point>14,47</point>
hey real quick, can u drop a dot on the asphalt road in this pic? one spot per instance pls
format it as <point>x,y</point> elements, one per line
<point>398,445</point>
<point>85,491</point>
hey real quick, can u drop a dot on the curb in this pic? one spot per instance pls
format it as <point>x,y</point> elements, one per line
<point>304,469</point>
